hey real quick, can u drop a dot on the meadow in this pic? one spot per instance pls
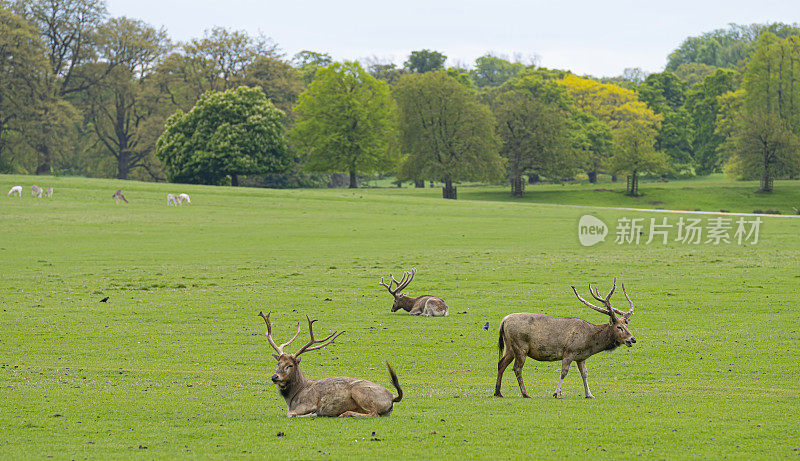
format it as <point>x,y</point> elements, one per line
<point>176,363</point>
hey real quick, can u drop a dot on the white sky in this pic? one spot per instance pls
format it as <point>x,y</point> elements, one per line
<point>599,37</point>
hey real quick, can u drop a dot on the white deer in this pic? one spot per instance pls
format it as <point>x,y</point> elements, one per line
<point>172,199</point>
<point>36,191</point>
<point>185,198</point>
<point>16,190</point>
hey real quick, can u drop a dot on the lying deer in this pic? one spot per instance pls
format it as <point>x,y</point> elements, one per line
<point>426,305</point>
<point>118,196</point>
<point>547,339</point>
<point>329,396</point>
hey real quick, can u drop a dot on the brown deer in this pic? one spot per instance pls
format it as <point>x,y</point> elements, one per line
<point>547,339</point>
<point>329,396</point>
<point>426,305</point>
<point>119,196</point>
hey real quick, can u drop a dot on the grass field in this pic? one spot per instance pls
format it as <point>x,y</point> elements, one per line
<point>176,364</point>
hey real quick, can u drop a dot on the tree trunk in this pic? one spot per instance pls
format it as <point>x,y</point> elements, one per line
<point>419,184</point>
<point>766,181</point>
<point>592,176</point>
<point>122,165</point>
<point>517,185</point>
<point>353,178</point>
<point>613,178</point>
<point>633,184</point>
<point>235,180</point>
<point>448,191</point>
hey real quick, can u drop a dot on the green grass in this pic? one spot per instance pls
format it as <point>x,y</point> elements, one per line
<point>177,360</point>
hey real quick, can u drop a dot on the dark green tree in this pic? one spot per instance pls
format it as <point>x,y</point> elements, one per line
<point>425,61</point>
<point>447,134</point>
<point>665,93</point>
<point>702,103</point>
<point>493,70</point>
<point>227,134</point>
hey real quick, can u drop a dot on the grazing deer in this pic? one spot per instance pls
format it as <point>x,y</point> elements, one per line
<point>426,305</point>
<point>184,198</point>
<point>329,396</point>
<point>118,196</point>
<point>36,191</point>
<point>173,199</point>
<point>16,190</point>
<point>547,339</point>
<point>49,192</point>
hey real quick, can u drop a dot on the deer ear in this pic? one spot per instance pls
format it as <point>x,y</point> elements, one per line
<point>276,357</point>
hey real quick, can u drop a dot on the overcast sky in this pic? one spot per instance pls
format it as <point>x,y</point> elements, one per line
<point>600,37</point>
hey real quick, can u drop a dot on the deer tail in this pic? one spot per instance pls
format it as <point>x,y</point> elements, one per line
<point>396,384</point>
<point>500,343</point>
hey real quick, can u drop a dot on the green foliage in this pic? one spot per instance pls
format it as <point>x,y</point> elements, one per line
<point>309,62</point>
<point>702,103</point>
<point>347,122</point>
<point>447,134</point>
<point>725,47</point>
<point>665,93</point>
<point>425,61</point>
<point>492,70</point>
<point>235,132</point>
<point>592,141</point>
<point>693,73</point>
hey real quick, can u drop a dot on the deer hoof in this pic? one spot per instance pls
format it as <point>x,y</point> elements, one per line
<point>589,396</point>
<point>526,396</point>
<point>557,395</point>
<point>497,394</point>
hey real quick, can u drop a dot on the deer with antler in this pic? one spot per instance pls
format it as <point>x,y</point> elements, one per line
<point>426,305</point>
<point>547,339</point>
<point>339,396</point>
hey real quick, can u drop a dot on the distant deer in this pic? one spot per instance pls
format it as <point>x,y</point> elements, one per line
<point>16,190</point>
<point>118,196</point>
<point>329,396</point>
<point>36,191</point>
<point>547,339</point>
<point>49,192</point>
<point>426,305</point>
<point>173,199</point>
<point>184,198</point>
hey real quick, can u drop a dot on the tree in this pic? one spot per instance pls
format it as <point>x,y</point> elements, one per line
<point>763,146</point>
<point>281,82</point>
<point>309,62</point>
<point>702,103</point>
<point>665,93</point>
<point>230,133</point>
<point>123,108</point>
<point>346,122</point>
<point>425,61</point>
<point>635,153</point>
<point>493,70</point>
<point>532,123</point>
<point>446,133</point>
<point>693,73</point>
<point>593,142</point>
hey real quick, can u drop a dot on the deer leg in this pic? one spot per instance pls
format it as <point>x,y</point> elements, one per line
<point>564,370</point>
<point>501,368</point>
<point>585,376</point>
<point>519,362</point>
<point>356,414</point>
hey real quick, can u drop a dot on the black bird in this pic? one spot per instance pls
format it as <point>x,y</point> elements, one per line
<point>486,327</point>
<point>104,299</point>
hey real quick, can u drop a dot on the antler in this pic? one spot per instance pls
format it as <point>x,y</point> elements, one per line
<point>327,340</point>
<point>404,281</point>
<point>278,349</point>
<point>628,314</point>
<point>607,300</point>
<point>407,278</point>
<point>598,309</point>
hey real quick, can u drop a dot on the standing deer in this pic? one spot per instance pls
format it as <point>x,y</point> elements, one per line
<point>547,339</point>
<point>36,191</point>
<point>426,305</point>
<point>16,190</point>
<point>119,196</point>
<point>49,193</point>
<point>329,396</point>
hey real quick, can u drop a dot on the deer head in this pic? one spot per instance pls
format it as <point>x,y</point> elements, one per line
<point>618,320</point>
<point>288,363</point>
<point>400,286</point>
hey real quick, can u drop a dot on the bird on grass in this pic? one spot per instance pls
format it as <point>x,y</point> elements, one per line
<point>104,299</point>
<point>486,327</point>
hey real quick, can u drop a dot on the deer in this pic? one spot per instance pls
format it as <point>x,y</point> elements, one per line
<point>184,198</point>
<point>547,339</point>
<point>338,396</point>
<point>49,193</point>
<point>119,196</point>
<point>16,190</point>
<point>36,191</point>
<point>426,305</point>
<point>173,199</point>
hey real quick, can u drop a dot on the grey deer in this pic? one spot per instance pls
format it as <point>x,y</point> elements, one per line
<point>426,305</point>
<point>329,396</point>
<point>548,339</point>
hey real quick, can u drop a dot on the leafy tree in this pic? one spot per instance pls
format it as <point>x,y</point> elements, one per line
<point>665,93</point>
<point>309,62</point>
<point>635,153</point>
<point>123,108</point>
<point>346,122</point>
<point>281,82</point>
<point>725,47</point>
<point>693,73</point>
<point>447,134</point>
<point>230,133</point>
<point>493,70</point>
<point>593,142</point>
<point>383,70</point>
<point>702,103</point>
<point>425,61</point>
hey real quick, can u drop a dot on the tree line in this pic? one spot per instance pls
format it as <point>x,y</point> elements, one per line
<point>83,93</point>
